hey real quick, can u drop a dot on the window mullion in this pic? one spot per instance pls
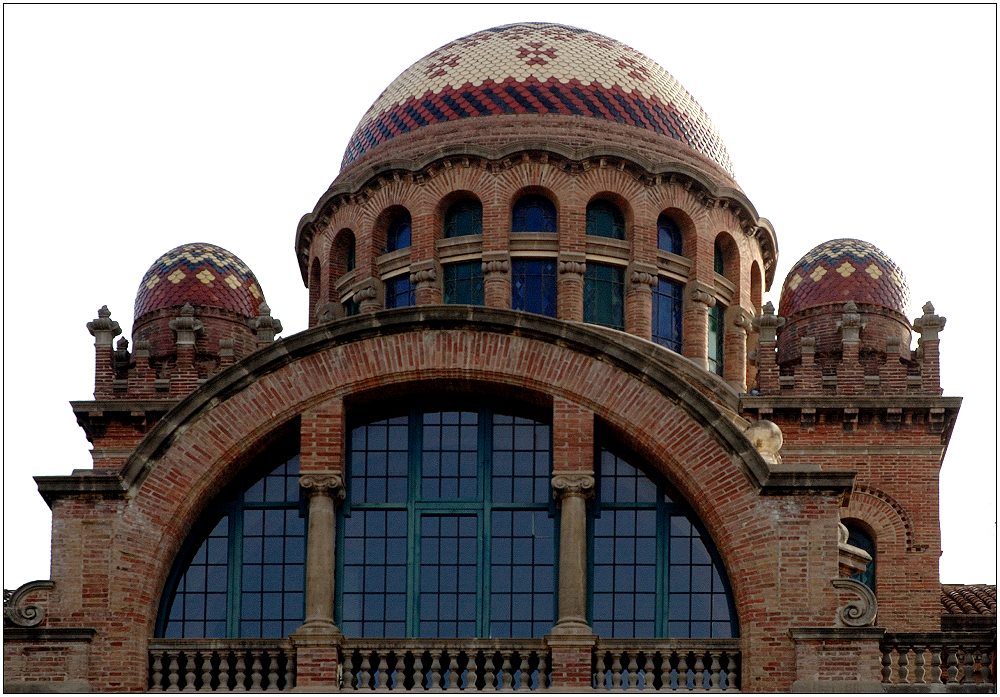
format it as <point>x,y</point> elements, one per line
<point>234,592</point>
<point>662,563</point>
<point>485,585</point>
<point>415,428</point>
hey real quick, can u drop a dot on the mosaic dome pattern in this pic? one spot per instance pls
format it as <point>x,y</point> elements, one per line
<point>842,270</point>
<point>201,274</point>
<point>538,68</point>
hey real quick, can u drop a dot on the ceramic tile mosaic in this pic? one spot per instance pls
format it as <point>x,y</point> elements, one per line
<point>201,274</point>
<point>827,274</point>
<point>538,69</point>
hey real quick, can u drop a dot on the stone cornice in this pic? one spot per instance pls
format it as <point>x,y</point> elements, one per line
<point>94,415</point>
<point>81,483</point>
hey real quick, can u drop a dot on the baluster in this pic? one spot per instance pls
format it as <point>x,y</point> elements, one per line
<point>256,671</point>
<point>543,671</point>
<point>436,671</point>
<point>189,673</point>
<point>366,673</point>
<point>524,670</point>
<point>173,674</point>
<point>289,673</point>
<point>382,673</point>
<point>616,671</point>
<point>935,664</point>
<point>952,661</point>
<point>490,684</point>
<point>682,673</point>
<point>986,676</point>
<point>699,672</point>
<point>716,669</point>
<point>157,680</point>
<point>419,677</point>
<point>224,665</point>
<point>506,674</point>
<point>347,678</point>
<point>206,671</point>
<point>904,670</point>
<point>241,673</point>
<point>969,672</point>
<point>633,671</point>
<point>272,671</point>
<point>887,665</point>
<point>918,665</point>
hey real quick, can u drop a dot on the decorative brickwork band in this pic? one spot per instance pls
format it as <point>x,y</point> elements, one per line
<point>103,329</point>
<point>861,612</point>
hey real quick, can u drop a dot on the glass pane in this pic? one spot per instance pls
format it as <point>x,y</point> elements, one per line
<point>463,283</point>
<point>445,608</point>
<point>668,235</point>
<point>399,292</point>
<point>450,456</point>
<point>533,213</point>
<point>533,286</point>
<point>464,217</point>
<point>521,460</point>
<point>604,219</point>
<point>604,295</point>
<point>668,315</point>
<point>375,558</point>
<point>380,451</point>
<point>716,338</point>
<point>522,573</point>
<point>398,234</point>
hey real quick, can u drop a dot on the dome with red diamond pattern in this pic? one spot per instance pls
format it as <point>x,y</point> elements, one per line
<point>536,68</point>
<point>201,274</point>
<point>841,270</point>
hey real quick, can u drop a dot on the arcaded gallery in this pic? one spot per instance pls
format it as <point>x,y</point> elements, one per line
<point>543,433</point>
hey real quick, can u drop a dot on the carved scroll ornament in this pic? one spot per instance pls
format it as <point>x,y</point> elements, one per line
<point>861,612</point>
<point>17,612</point>
<point>323,484</point>
<point>572,484</point>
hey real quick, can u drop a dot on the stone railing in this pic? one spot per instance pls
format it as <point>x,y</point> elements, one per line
<point>431,664</point>
<point>694,664</point>
<point>958,661</point>
<point>221,665</point>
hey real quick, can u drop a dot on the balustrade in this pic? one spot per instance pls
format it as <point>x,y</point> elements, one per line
<point>695,665</point>
<point>220,665</point>
<point>958,660</point>
<point>437,665</point>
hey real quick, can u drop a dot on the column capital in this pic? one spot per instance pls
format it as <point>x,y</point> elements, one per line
<point>566,484</point>
<point>331,485</point>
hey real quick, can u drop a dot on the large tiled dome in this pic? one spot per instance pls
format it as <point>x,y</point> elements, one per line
<point>201,274</point>
<point>841,270</point>
<point>537,68</point>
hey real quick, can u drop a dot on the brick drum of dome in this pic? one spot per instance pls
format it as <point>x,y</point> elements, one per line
<point>842,270</point>
<point>537,68</point>
<point>201,274</point>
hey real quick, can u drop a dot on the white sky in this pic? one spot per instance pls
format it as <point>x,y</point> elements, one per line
<point>130,130</point>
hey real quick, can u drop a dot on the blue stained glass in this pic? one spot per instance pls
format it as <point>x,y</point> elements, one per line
<point>604,295</point>
<point>399,292</point>
<point>605,219</point>
<point>398,232</point>
<point>668,314</point>
<point>533,213</point>
<point>533,286</point>
<point>668,235</point>
<point>463,283</point>
<point>464,217</point>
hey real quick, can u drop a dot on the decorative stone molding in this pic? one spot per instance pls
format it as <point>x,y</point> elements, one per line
<point>643,274</point>
<point>103,328</point>
<point>186,326</point>
<point>496,266</point>
<point>743,320</point>
<point>572,484</point>
<point>423,274</point>
<point>767,439</point>
<point>767,323</point>
<point>365,292</point>
<point>227,347</point>
<point>121,357</point>
<point>323,484</point>
<point>701,294</point>
<point>851,323</point>
<point>859,613</point>
<point>572,266</point>
<point>264,325</point>
<point>326,312</point>
<point>15,609</point>
<point>928,325</point>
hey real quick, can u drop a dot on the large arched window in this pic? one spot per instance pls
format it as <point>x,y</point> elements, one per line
<point>654,573</point>
<point>668,313</point>
<point>398,234</point>
<point>604,219</point>
<point>448,528</point>
<point>242,572</point>
<point>464,217</point>
<point>533,213</point>
<point>533,285</point>
<point>604,295</point>
<point>668,235</point>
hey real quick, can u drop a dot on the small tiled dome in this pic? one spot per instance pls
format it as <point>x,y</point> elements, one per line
<point>536,68</point>
<point>201,274</point>
<point>841,270</point>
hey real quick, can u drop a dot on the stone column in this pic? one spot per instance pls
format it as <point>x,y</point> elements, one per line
<point>104,330</point>
<point>850,374</point>
<point>735,367</point>
<point>639,300</point>
<point>571,491</point>
<point>572,267</point>
<point>496,279</point>
<point>767,324</point>
<point>699,300</point>
<point>424,279</point>
<point>929,325</point>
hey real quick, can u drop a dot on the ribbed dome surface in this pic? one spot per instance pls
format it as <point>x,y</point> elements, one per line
<point>842,270</point>
<point>537,68</point>
<point>201,274</point>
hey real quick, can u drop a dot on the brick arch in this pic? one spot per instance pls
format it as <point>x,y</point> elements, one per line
<point>653,397</point>
<point>886,517</point>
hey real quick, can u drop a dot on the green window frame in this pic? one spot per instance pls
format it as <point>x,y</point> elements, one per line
<point>241,572</point>
<point>448,528</point>
<point>605,219</point>
<point>604,295</point>
<point>654,572</point>
<point>463,217</point>
<point>463,283</point>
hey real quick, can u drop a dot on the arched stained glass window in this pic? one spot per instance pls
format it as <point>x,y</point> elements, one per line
<point>533,213</point>
<point>242,573</point>
<point>718,259</point>
<point>668,313</point>
<point>654,573</point>
<point>604,219</point>
<point>448,529</point>
<point>859,538</point>
<point>464,217</point>
<point>533,285</point>
<point>668,235</point>
<point>398,234</point>
<point>604,295</point>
